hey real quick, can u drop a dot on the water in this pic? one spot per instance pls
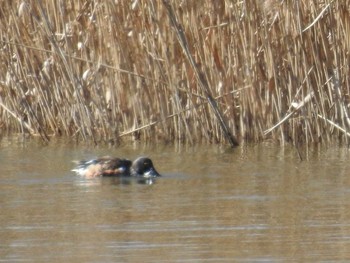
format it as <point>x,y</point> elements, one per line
<point>212,204</point>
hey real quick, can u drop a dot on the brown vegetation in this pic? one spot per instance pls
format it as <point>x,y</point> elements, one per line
<point>103,70</point>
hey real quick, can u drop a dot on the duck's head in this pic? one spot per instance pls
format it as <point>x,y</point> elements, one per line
<point>143,167</point>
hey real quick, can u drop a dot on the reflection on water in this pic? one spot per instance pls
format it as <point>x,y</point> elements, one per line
<point>212,204</point>
<point>86,182</point>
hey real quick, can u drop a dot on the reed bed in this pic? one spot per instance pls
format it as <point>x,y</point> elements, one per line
<point>214,71</point>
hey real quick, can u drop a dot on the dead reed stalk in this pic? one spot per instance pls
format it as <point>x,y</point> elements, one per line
<point>106,70</point>
<point>199,75</point>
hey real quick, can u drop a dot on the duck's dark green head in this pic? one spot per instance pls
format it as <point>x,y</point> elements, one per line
<point>143,167</point>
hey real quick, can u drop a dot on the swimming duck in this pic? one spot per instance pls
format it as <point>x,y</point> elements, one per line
<point>109,166</point>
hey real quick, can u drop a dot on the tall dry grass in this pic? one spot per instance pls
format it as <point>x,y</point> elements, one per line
<point>106,70</point>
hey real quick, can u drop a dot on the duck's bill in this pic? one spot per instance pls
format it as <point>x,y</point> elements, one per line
<point>151,173</point>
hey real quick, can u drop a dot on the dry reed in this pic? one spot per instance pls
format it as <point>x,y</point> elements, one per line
<point>106,70</point>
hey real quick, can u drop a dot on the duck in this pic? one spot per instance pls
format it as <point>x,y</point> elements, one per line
<point>112,166</point>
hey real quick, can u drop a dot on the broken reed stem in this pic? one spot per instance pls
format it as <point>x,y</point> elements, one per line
<point>317,18</point>
<point>40,130</point>
<point>178,113</point>
<point>334,125</point>
<point>22,122</point>
<point>199,75</point>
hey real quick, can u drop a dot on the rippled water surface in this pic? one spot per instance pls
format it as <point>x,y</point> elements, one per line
<point>212,204</point>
